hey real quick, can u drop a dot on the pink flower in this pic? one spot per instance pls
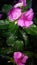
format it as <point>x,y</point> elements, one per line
<point>20,58</point>
<point>20,3</point>
<point>14,14</point>
<point>23,1</point>
<point>26,19</point>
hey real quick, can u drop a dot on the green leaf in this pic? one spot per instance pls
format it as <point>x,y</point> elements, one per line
<point>6,50</point>
<point>6,8</point>
<point>3,24</point>
<point>28,3</point>
<point>28,53</point>
<point>11,40</point>
<point>31,30</point>
<point>18,46</point>
<point>13,27</point>
<point>24,9</point>
<point>35,20</point>
<point>25,38</point>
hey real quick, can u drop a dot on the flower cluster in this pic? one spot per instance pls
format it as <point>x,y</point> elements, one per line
<point>24,19</point>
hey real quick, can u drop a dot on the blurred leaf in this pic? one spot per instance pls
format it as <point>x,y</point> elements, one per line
<point>11,40</point>
<point>6,8</point>
<point>18,45</point>
<point>31,30</point>
<point>4,24</point>
<point>13,27</point>
<point>28,3</point>
<point>28,53</point>
<point>6,50</point>
<point>4,28</point>
<point>27,6</point>
<point>35,21</point>
<point>25,37</point>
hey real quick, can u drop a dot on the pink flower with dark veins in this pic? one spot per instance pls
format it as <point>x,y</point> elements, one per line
<point>20,58</point>
<point>14,14</point>
<point>26,19</point>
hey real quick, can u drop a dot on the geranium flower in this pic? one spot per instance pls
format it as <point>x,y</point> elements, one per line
<point>20,58</point>
<point>26,19</point>
<point>14,14</point>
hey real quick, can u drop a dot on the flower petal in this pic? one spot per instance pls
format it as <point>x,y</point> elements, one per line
<point>18,5</point>
<point>24,59</point>
<point>20,58</point>
<point>20,22</point>
<point>30,17</point>
<point>28,24</point>
<point>29,12</point>
<point>17,55</point>
<point>14,14</point>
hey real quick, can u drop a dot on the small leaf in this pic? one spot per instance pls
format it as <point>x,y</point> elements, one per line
<point>13,27</point>
<point>31,30</point>
<point>11,40</point>
<point>18,46</point>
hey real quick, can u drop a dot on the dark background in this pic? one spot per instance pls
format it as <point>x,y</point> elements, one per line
<point>34,6</point>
